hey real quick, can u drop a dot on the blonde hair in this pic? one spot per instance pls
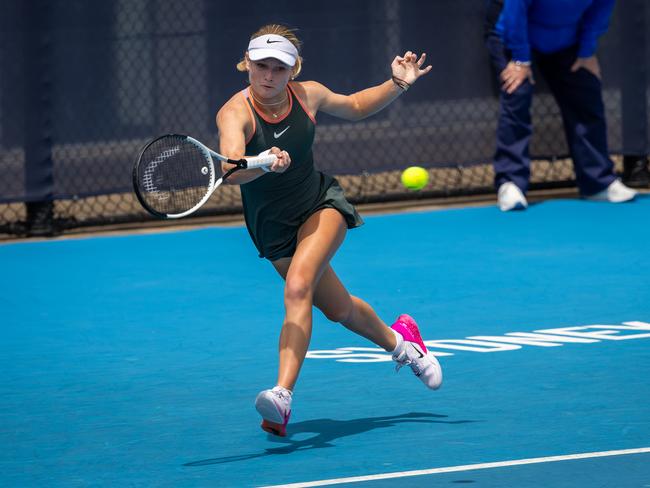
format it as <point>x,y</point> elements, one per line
<point>278,30</point>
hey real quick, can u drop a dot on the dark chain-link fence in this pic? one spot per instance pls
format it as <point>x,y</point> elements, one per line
<point>83,86</point>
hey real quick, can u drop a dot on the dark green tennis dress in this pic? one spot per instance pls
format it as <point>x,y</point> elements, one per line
<point>277,204</point>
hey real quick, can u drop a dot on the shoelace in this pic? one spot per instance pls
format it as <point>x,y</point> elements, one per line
<point>282,394</point>
<point>403,360</point>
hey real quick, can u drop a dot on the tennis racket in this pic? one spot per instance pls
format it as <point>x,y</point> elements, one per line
<point>176,174</point>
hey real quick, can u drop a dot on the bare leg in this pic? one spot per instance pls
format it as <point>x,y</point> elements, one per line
<point>338,305</point>
<point>318,239</point>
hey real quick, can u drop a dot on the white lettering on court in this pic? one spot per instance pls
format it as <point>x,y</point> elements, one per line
<point>510,341</point>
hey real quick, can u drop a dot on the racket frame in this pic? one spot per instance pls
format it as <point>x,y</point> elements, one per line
<point>210,155</point>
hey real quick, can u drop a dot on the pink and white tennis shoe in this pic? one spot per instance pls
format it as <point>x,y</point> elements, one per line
<point>411,351</point>
<point>275,408</point>
<point>274,405</point>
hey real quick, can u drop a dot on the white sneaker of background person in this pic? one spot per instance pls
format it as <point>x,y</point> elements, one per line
<point>411,351</point>
<point>510,197</point>
<point>616,192</point>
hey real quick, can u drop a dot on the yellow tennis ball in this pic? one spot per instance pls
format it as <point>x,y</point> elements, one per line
<point>415,178</point>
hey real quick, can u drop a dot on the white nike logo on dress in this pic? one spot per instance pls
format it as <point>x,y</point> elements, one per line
<point>276,135</point>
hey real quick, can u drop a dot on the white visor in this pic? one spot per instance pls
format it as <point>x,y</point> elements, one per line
<point>272,46</point>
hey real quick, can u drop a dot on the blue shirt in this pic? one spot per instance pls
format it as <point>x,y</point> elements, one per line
<point>551,25</point>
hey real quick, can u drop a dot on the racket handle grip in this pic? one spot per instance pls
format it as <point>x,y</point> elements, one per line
<point>260,161</point>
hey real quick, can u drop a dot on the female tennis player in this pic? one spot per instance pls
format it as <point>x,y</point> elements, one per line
<point>297,217</point>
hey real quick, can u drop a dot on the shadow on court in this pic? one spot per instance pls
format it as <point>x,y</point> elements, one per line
<point>328,430</point>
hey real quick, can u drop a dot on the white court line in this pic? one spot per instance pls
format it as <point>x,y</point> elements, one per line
<point>467,467</point>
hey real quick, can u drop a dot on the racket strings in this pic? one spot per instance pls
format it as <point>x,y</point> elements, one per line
<point>174,175</point>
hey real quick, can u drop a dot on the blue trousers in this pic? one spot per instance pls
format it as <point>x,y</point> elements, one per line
<point>579,97</point>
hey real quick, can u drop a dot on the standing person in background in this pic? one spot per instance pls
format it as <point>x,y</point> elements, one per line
<point>297,216</point>
<point>634,91</point>
<point>560,38</point>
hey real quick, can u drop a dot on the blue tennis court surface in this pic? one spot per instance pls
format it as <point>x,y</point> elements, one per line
<point>135,360</point>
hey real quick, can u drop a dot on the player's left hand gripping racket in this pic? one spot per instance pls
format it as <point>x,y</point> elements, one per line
<point>176,174</point>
